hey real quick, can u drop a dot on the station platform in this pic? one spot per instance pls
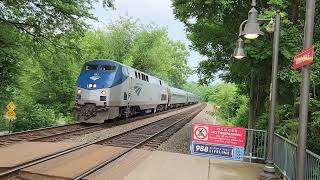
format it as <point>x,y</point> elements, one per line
<point>159,165</point>
<point>138,164</point>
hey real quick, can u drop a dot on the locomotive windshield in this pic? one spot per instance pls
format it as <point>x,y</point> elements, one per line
<point>96,67</point>
<point>90,67</point>
<point>108,68</point>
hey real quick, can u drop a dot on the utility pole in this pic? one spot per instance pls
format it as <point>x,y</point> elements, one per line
<point>304,91</point>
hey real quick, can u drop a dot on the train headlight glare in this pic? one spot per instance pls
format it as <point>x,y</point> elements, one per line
<point>90,85</point>
<point>103,92</point>
<point>79,91</point>
<point>94,85</point>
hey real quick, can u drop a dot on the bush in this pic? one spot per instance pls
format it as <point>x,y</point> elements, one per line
<point>33,116</point>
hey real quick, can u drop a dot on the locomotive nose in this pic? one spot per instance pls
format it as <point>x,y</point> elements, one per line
<point>93,80</point>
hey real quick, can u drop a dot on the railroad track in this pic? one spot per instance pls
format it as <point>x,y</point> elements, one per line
<point>37,133</point>
<point>60,133</point>
<point>133,137</point>
<point>148,136</point>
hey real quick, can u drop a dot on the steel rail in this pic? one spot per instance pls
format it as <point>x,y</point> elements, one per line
<point>39,129</point>
<point>69,150</point>
<point>64,133</point>
<point>43,135</point>
<point>52,134</point>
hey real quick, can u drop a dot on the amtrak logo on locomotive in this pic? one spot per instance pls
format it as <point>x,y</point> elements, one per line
<point>137,89</point>
<point>95,77</point>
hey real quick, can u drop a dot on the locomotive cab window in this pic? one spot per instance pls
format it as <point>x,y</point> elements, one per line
<point>90,67</point>
<point>108,68</point>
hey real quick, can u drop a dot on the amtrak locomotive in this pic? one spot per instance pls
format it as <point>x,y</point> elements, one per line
<point>107,89</point>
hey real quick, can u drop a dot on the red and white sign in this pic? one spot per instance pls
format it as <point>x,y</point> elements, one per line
<point>216,134</point>
<point>201,133</point>
<point>303,58</point>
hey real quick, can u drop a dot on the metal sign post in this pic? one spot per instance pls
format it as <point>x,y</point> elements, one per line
<point>304,91</point>
<point>10,122</point>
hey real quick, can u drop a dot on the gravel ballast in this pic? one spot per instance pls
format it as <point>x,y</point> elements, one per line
<point>181,140</point>
<point>99,135</point>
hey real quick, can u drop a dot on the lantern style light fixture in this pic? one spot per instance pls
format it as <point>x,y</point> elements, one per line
<point>252,27</point>
<point>239,51</point>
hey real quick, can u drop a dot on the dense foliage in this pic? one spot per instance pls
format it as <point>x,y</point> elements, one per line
<point>229,105</point>
<point>146,48</point>
<point>45,43</point>
<point>212,27</point>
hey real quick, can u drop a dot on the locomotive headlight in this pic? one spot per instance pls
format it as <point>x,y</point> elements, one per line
<point>92,85</point>
<point>79,91</point>
<point>103,92</point>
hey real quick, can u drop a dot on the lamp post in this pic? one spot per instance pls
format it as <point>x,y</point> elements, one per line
<point>269,170</point>
<point>252,31</point>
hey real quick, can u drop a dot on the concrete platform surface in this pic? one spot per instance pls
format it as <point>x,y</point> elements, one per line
<point>173,166</point>
<point>121,167</point>
<point>233,170</point>
<point>16,154</point>
<point>72,164</point>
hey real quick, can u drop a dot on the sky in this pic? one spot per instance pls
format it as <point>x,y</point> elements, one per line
<point>158,12</point>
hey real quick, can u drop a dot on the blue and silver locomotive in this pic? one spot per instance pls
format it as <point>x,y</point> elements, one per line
<point>107,89</point>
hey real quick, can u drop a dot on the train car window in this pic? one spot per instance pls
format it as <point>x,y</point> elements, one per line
<point>108,68</point>
<point>90,67</point>
<point>139,76</point>
<point>160,82</point>
<point>147,78</point>
<point>136,74</point>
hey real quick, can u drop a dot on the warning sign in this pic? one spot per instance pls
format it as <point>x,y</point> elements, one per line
<point>200,133</point>
<point>303,58</point>
<point>218,141</point>
<point>217,134</point>
<point>10,114</point>
<point>11,106</point>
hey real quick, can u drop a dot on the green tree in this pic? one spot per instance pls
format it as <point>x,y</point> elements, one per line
<point>35,37</point>
<point>212,26</point>
<point>233,104</point>
<point>147,48</point>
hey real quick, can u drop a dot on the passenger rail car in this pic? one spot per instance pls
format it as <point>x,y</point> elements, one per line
<point>107,89</point>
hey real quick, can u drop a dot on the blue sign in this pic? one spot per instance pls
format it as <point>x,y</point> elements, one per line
<point>217,150</point>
